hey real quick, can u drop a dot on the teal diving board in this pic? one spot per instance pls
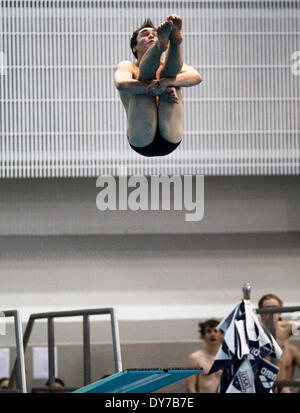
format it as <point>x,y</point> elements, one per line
<point>138,380</point>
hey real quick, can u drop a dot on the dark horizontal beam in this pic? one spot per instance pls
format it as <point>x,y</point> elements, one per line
<point>285,383</point>
<point>272,310</point>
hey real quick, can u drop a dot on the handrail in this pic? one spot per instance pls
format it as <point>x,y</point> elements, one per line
<point>50,316</point>
<point>287,383</point>
<point>272,310</point>
<point>20,360</point>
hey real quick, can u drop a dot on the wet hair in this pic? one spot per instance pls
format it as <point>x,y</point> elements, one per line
<point>268,297</point>
<point>211,323</point>
<point>133,40</point>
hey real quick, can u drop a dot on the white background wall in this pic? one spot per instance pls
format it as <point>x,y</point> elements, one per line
<point>62,116</point>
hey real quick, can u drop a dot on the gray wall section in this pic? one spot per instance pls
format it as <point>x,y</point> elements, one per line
<point>68,206</point>
<point>159,276</point>
<point>146,355</point>
<point>134,355</point>
<point>59,252</point>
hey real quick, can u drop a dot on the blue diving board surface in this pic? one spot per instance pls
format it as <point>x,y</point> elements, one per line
<point>138,381</point>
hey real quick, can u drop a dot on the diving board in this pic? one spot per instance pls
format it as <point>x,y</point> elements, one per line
<point>138,380</point>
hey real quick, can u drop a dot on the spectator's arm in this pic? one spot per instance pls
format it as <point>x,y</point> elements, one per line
<point>296,355</point>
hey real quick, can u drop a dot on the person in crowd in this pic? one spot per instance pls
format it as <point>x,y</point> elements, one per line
<point>4,383</point>
<point>290,358</point>
<point>204,358</point>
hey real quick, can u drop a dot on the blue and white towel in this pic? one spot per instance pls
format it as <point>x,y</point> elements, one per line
<point>242,355</point>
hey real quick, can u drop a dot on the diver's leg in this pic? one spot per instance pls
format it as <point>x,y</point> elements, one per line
<point>142,120</point>
<point>151,59</point>
<point>174,61</point>
<point>170,118</point>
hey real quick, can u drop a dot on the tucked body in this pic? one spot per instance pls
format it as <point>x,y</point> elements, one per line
<point>150,88</point>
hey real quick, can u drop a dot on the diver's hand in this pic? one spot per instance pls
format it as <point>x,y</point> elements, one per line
<point>170,95</point>
<point>156,87</point>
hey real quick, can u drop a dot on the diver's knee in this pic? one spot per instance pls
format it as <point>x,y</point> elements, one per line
<point>172,137</point>
<point>142,136</point>
<point>171,134</point>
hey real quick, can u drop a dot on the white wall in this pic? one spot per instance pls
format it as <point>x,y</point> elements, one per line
<point>62,115</point>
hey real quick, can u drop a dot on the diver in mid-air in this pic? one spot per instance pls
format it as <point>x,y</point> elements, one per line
<point>150,88</point>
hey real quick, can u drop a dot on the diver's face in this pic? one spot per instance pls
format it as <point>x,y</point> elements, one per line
<point>145,39</point>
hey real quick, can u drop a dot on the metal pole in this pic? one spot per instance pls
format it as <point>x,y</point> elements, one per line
<point>272,325</point>
<point>25,342</point>
<point>20,353</point>
<point>291,309</point>
<point>246,291</point>
<point>273,332</point>
<point>51,351</point>
<point>116,340</point>
<point>86,350</point>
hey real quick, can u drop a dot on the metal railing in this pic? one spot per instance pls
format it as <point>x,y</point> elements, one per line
<point>19,367</point>
<point>271,311</point>
<point>86,339</point>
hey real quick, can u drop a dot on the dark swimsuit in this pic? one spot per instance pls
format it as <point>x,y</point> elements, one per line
<point>158,147</point>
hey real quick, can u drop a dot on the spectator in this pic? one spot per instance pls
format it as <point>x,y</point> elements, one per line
<point>283,330</point>
<point>204,358</point>
<point>4,383</point>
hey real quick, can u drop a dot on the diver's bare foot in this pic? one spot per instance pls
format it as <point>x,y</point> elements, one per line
<point>163,35</point>
<point>176,33</point>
